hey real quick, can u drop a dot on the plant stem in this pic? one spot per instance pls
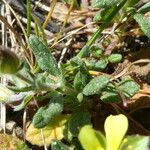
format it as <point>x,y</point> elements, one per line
<point>107,18</point>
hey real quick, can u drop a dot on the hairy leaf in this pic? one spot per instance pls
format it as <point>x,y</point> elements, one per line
<point>96,85</point>
<point>46,115</point>
<point>81,79</point>
<point>43,56</point>
<point>144,23</point>
<point>129,88</point>
<point>115,58</point>
<point>110,94</point>
<point>104,3</point>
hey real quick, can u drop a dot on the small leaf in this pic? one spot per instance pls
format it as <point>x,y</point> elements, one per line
<point>104,3</point>
<point>115,58</point>
<point>9,142</point>
<point>50,132</point>
<point>115,129</point>
<point>96,85</point>
<point>77,121</point>
<point>145,8</point>
<point>84,52</point>
<point>58,145</point>
<point>101,64</point>
<point>46,115</point>
<point>129,88</point>
<point>43,56</point>
<point>96,51</point>
<point>144,23</point>
<point>135,142</point>
<point>110,94</point>
<point>91,139</point>
<point>81,79</point>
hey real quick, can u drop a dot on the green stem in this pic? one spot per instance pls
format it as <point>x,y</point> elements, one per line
<point>105,20</point>
<point>108,18</point>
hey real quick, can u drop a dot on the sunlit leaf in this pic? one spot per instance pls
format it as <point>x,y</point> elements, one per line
<point>50,132</point>
<point>129,88</point>
<point>115,129</point>
<point>43,56</point>
<point>96,85</point>
<point>104,3</point>
<point>115,58</point>
<point>144,23</point>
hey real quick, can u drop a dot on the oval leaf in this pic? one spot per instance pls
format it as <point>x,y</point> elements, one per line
<point>45,59</point>
<point>96,85</point>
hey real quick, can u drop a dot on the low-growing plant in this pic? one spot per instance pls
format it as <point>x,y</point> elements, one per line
<point>71,86</point>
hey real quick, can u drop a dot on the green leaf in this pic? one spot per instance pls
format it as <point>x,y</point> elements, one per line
<point>81,79</point>
<point>96,51</point>
<point>96,85</point>
<point>115,58</point>
<point>91,139</point>
<point>78,120</point>
<point>144,23</point>
<point>115,129</point>
<point>104,3</point>
<point>84,52</point>
<point>135,142</point>
<point>110,94</point>
<point>46,115</point>
<point>43,56</point>
<point>145,8</point>
<point>9,142</point>
<point>58,145</point>
<point>129,88</point>
<point>101,64</point>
